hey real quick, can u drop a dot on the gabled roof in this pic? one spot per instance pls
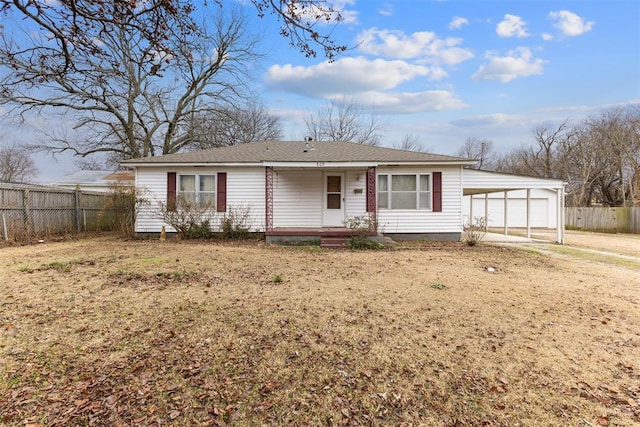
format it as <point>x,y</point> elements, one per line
<point>297,152</point>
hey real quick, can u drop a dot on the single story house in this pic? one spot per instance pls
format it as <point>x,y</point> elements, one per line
<point>302,189</point>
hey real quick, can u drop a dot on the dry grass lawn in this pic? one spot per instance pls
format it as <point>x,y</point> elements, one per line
<point>107,332</point>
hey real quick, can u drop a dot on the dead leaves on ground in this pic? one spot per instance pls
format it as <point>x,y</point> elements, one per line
<point>251,360</point>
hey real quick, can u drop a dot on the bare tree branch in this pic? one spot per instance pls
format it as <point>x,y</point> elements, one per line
<point>479,149</point>
<point>126,109</point>
<point>343,120</point>
<point>16,165</point>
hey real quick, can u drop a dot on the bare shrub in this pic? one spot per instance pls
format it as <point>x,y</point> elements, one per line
<point>473,232</point>
<point>189,219</point>
<point>119,210</point>
<point>235,223</point>
<point>362,226</point>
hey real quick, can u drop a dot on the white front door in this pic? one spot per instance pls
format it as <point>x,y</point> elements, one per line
<point>333,204</point>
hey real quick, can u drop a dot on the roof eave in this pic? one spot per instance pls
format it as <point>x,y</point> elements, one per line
<point>188,164</point>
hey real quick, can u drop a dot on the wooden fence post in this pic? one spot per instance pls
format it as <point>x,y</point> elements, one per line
<point>4,227</point>
<point>27,211</point>
<point>78,221</point>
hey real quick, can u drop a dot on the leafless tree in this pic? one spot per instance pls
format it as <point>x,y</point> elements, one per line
<point>480,149</point>
<point>539,159</point>
<point>71,29</point>
<point>235,125</point>
<point>129,76</point>
<point>548,138</point>
<point>124,108</point>
<point>513,161</point>
<point>16,165</point>
<point>344,120</point>
<point>599,158</point>
<point>617,133</point>
<point>411,142</point>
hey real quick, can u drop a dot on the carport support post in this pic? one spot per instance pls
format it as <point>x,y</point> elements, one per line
<point>528,213</point>
<point>506,209</point>
<point>486,211</point>
<point>560,216</point>
<point>471,210</point>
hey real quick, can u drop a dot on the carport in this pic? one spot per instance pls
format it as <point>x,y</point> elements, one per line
<point>478,182</point>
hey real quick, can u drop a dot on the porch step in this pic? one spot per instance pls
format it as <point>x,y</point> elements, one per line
<point>334,242</point>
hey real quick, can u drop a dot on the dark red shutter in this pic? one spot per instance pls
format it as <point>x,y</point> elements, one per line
<point>371,190</point>
<point>221,197</point>
<point>171,191</point>
<point>437,191</point>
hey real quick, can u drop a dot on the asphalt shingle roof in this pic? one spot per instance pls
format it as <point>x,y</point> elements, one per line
<point>297,151</point>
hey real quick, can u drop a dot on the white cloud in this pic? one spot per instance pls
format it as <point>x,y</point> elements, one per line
<point>372,82</point>
<point>547,37</point>
<point>310,13</point>
<point>512,26</point>
<point>348,16</point>
<point>570,24</point>
<point>386,9</point>
<point>517,63</point>
<point>423,45</point>
<point>346,76</point>
<point>457,22</point>
<point>411,102</point>
<point>484,120</point>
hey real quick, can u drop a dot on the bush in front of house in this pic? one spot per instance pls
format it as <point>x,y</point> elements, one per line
<point>473,232</point>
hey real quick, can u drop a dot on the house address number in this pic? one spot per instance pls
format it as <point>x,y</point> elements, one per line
<point>320,164</point>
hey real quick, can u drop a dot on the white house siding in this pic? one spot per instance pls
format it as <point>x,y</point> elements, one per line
<point>425,221</point>
<point>297,198</point>
<point>245,190</point>
<point>542,209</point>
<point>356,193</point>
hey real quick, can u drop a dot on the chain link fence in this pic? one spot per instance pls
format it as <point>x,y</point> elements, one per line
<point>34,212</point>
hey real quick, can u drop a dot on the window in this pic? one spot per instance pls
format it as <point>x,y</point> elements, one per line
<point>198,190</point>
<point>425,192</point>
<point>404,191</point>
<point>383,191</point>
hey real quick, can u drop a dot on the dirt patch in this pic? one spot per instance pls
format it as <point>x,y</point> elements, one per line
<point>106,332</point>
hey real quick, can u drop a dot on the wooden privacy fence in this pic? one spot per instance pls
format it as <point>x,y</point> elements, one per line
<point>33,211</point>
<point>624,220</point>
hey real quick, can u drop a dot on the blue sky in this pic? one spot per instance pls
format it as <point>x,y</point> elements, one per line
<point>444,71</point>
<point>448,70</point>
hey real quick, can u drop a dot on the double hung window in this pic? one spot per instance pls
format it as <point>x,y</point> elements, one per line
<point>404,191</point>
<point>198,190</point>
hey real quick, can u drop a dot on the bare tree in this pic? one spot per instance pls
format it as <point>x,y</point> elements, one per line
<point>124,108</point>
<point>16,165</point>
<point>513,161</point>
<point>540,159</point>
<point>548,139</point>
<point>617,132</point>
<point>411,142</point>
<point>235,125</point>
<point>342,120</point>
<point>72,29</point>
<point>598,158</point>
<point>479,149</point>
